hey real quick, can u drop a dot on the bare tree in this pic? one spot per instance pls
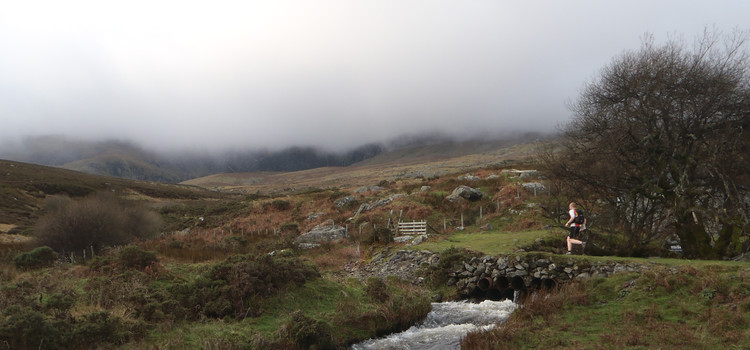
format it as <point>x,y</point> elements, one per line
<point>661,138</point>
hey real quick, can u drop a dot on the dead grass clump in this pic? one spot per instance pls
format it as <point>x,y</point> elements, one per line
<point>332,257</point>
<point>511,195</point>
<point>540,310</point>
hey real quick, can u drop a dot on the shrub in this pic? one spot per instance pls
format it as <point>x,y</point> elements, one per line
<point>307,333</point>
<point>376,289</point>
<point>235,286</point>
<point>381,234</point>
<point>101,327</point>
<point>39,257</point>
<point>24,328</point>
<point>278,204</point>
<point>60,302</point>
<point>290,227</point>
<point>137,258</point>
<point>96,221</point>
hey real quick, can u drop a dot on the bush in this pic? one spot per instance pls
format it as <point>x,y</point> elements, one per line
<point>137,258</point>
<point>381,234</point>
<point>101,327</point>
<point>235,286</point>
<point>278,204</point>
<point>60,302</point>
<point>39,257</point>
<point>24,328</point>
<point>307,333</point>
<point>96,221</point>
<point>376,289</point>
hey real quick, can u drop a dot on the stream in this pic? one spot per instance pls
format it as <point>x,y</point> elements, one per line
<point>444,326</point>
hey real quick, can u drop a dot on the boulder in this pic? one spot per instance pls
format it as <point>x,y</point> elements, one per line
<point>534,187</point>
<point>465,192</point>
<point>321,234</point>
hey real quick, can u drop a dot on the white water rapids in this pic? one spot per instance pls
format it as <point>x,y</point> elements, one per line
<point>444,326</point>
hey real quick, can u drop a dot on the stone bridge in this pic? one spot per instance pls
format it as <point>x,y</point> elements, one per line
<point>490,277</point>
<point>503,277</point>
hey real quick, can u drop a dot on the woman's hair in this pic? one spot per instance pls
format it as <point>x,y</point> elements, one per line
<point>573,204</point>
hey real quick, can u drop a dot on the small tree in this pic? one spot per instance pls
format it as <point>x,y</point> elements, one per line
<point>662,139</point>
<point>39,257</point>
<point>95,221</point>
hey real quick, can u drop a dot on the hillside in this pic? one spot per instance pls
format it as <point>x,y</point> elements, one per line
<point>225,273</point>
<point>417,162</point>
<point>24,187</point>
<point>127,160</point>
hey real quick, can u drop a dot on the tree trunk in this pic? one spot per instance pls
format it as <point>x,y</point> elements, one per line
<point>695,241</point>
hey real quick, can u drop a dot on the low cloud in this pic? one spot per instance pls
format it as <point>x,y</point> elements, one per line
<point>333,74</point>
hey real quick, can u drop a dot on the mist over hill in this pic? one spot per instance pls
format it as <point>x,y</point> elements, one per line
<point>125,159</point>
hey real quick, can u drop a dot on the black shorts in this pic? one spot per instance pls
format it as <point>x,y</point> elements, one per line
<point>574,231</point>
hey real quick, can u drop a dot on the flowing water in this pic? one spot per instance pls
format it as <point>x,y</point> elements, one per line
<point>444,326</point>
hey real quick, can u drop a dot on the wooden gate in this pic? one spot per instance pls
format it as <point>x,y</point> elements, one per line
<point>412,228</point>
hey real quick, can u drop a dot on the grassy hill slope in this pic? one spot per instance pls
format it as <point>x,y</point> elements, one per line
<point>196,284</point>
<point>421,162</point>
<point>23,188</point>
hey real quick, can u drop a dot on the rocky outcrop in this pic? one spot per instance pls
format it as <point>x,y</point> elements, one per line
<point>321,234</point>
<point>522,174</point>
<point>379,203</point>
<point>535,187</point>
<point>402,264</point>
<point>465,192</point>
<point>340,203</point>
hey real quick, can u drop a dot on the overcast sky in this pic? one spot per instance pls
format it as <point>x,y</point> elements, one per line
<point>267,74</point>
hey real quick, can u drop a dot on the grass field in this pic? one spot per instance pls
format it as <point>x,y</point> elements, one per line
<point>490,242</point>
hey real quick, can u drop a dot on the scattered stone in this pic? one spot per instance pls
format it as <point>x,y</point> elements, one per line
<point>468,177</point>
<point>368,189</point>
<point>523,174</point>
<point>345,201</point>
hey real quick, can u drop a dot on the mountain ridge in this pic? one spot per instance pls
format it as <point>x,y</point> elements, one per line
<point>127,160</point>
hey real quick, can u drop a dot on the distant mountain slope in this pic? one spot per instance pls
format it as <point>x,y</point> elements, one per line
<point>125,166</point>
<point>126,160</point>
<point>434,150</point>
<point>423,161</point>
<point>123,159</point>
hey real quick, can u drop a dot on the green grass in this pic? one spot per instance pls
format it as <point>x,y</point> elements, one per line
<point>704,307</point>
<point>491,242</point>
